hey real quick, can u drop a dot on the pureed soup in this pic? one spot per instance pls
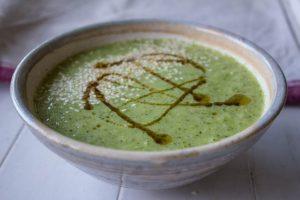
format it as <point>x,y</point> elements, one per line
<point>149,95</point>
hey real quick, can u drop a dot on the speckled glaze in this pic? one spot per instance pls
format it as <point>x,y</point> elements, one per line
<point>146,170</point>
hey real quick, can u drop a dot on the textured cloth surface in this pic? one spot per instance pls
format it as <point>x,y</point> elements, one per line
<point>25,24</point>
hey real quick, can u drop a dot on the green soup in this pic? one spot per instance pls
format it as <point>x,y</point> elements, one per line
<point>149,95</point>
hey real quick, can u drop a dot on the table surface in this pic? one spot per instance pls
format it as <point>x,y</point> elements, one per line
<point>269,170</point>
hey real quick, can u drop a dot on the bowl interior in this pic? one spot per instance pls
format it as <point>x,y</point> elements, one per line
<point>91,39</point>
<point>40,61</point>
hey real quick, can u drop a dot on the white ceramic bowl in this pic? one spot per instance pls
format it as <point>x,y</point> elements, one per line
<point>146,170</point>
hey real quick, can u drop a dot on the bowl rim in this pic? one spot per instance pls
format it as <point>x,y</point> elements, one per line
<point>24,67</point>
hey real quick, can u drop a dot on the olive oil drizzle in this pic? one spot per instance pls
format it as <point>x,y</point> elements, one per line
<point>158,138</point>
<point>176,58</point>
<point>143,86</point>
<point>235,100</point>
<point>200,99</point>
<point>181,59</point>
<point>197,97</point>
<point>155,92</point>
<point>175,103</point>
<point>117,83</point>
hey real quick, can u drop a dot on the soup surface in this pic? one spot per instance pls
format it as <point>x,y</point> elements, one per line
<point>149,95</point>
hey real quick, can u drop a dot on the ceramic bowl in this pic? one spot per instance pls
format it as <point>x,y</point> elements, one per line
<point>135,169</point>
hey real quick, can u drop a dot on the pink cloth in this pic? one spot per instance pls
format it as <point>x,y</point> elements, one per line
<point>293,97</point>
<point>6,72</point>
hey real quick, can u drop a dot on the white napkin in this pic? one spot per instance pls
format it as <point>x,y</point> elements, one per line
<point>25,24</point>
